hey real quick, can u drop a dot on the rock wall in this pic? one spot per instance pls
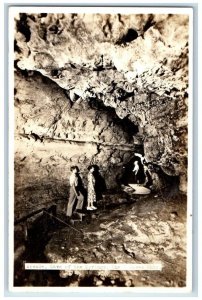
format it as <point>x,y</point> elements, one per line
<point>137,64</point>
<point>92,88</point>
<point>52,133</point>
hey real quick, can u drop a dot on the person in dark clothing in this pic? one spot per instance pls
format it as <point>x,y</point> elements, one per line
<point>148,177</point>
<point>100,184</point>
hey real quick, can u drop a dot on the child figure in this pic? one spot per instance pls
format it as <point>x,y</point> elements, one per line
<point>91,189</point>
<point>75,193</point>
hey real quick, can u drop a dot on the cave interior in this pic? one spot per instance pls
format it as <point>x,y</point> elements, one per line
<point>90,96</point>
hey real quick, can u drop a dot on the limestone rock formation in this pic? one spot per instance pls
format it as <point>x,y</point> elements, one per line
<point>52,133</point>
<point>96,89</point>
<point>136,64</point>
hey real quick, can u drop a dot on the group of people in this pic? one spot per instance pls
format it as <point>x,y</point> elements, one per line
<point>141,175</point>
<point>77,192</point>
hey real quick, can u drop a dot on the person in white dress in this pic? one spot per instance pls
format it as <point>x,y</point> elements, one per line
<point>91,194</point>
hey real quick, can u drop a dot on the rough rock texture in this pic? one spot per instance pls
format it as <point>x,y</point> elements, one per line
<point>52,133</point>
<point>137,64</point>
<point>96,89</point>
<point>146,229</point>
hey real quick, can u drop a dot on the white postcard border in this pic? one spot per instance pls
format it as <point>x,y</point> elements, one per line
<point>14,10</point>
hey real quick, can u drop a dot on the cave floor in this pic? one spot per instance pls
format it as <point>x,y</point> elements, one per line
<point>140,229</point>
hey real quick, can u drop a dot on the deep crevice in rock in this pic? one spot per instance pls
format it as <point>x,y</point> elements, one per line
<point>16,47</point>
<point>107,28</point>
<point>130,36</point>
<point>23,27</point>
<point>150,22</point>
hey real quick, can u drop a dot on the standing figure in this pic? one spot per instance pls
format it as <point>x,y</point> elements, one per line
<point>148,176</point>
<point>75,193</point>
<point>136,170</point>
<point>91,189</point>
<point>100,184</point>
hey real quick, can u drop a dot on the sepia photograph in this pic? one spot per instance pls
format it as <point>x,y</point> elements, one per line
<point>101,124</point>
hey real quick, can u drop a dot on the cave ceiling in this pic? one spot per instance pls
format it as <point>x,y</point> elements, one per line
<point>135,64</point>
